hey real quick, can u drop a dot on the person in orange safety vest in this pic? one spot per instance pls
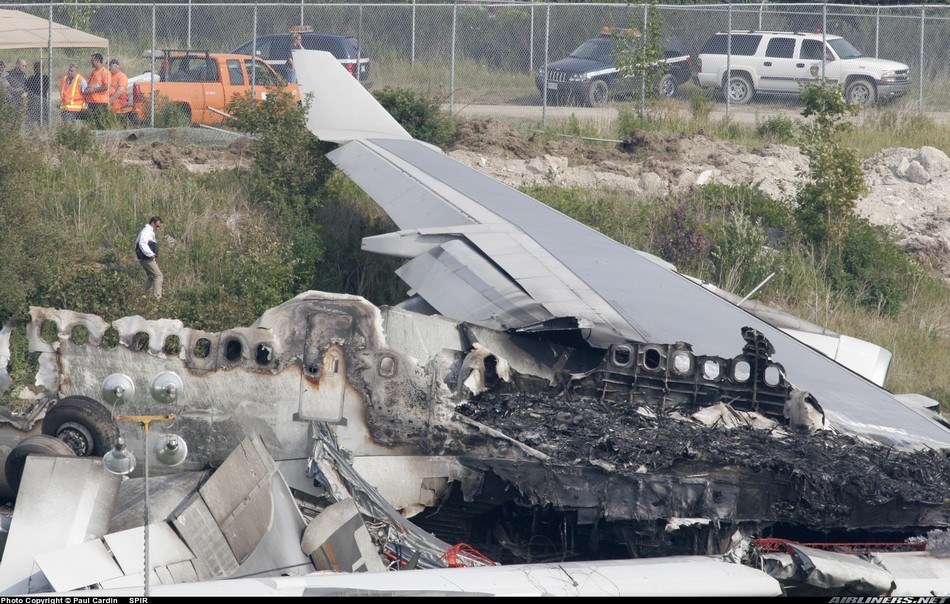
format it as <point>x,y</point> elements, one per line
<point>118,90</point>
<point>71,88</point>
<point>97,92</point>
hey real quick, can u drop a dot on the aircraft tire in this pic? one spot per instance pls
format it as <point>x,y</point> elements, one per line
<point>35,444</point>
<point>83,424</point>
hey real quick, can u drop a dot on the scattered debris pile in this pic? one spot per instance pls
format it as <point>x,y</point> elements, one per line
<point>819,482</point>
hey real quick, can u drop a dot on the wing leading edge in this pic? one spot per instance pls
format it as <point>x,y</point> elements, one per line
<point>483,252</point>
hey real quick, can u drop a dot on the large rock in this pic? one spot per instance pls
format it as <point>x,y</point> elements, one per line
<point>934,161</point>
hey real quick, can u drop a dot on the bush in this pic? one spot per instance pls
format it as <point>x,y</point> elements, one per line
<point>776,129</point>
<point>740,258</point>
<point>290,170</point>
<point>834,178</point>
<point>75,137</point>
<point>678,235</point>
<point>167,114</point>
<point>30,238</point>
<point>419,114</point>
<point>724,199</point>
<point>701,104</point>
<point>877,273</point>
<point>347,215</point>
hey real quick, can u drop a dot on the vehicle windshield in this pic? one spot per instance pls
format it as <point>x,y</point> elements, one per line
<point>593,50</point>
<point>844,49</point>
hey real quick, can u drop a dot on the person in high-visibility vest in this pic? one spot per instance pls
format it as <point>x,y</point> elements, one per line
<point>71,88</point>
<point>97,92</point>
<point>118,91</point>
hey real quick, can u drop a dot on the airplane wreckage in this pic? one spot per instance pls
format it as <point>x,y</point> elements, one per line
<point>547,403</point>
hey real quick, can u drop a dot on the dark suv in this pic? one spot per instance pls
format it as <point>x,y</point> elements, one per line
<point>275,49</point>
<point>589,75</point>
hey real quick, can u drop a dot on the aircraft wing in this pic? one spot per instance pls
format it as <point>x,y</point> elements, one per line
<point>483,252</point>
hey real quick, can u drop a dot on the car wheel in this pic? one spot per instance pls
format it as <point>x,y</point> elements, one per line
<point>83,424</point>
<point>740,89</point>
<point>861,93</point>
<point>666,87</point>
<point>598,94</point>
<point>37,444</point>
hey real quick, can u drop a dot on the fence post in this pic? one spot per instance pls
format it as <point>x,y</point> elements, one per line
<point>413,50</point>
<point>920,78</point>
<point>728,57</point>
<point>455,7</point>
<point>824,37</point>
<point>47,103</point>
<point>151,109</point>
<point>531,44</point>
<point>644,71</point>
<point>188,44</point>
<point>301,13</point>
<point>359,45</point>
<point>824,20</point>
<point>254,52</point>
<point>877,33</point>
<point>544,78</point>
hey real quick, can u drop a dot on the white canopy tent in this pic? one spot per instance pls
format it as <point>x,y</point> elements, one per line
<point>23,30</point>
<point>19,30</point>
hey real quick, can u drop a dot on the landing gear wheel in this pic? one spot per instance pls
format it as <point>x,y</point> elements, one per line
<point>861,93</point>
<point>598,94</point>
<point>83,424</point>
<point>740,90</point>
<point>666,87</point>
<point>37,444</point>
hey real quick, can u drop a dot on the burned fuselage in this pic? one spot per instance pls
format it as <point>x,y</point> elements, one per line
<point>619,450</point>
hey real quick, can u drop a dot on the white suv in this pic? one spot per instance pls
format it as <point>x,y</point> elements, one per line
<point>780,62</point>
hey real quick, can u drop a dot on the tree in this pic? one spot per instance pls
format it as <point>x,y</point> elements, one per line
<point>834,180</point>
<point>640,54</point>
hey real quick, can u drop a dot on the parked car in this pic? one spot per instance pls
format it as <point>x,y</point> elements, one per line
<point>589,75</point>
<point>275,49</point>
<point>780,62</point>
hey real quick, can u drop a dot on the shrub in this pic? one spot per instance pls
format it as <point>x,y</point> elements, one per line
<point>643,60</point>
<point>626,220</point>
<point>75,137</point>
<point>740,258</point>
<point>834,179</point>
<point>776,129</point>
<point>291,166</point>
<point>167,114</point>
<point>724,199</point>
<point>421,115</point>
<point>700,106</point>
<point>347,215</point>
<point>290,169</point>
<point>30,238</point>
<point>678,235</point>
<point>873,269</point>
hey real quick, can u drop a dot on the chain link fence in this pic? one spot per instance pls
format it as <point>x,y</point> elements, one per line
<point>474,52</point>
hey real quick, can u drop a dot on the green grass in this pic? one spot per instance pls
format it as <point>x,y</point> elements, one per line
<point>474,83</point>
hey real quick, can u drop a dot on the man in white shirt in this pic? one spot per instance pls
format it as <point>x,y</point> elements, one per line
<point>146,250</point>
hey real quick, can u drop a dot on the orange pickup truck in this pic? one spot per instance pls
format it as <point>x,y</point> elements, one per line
<point>200,84</point>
